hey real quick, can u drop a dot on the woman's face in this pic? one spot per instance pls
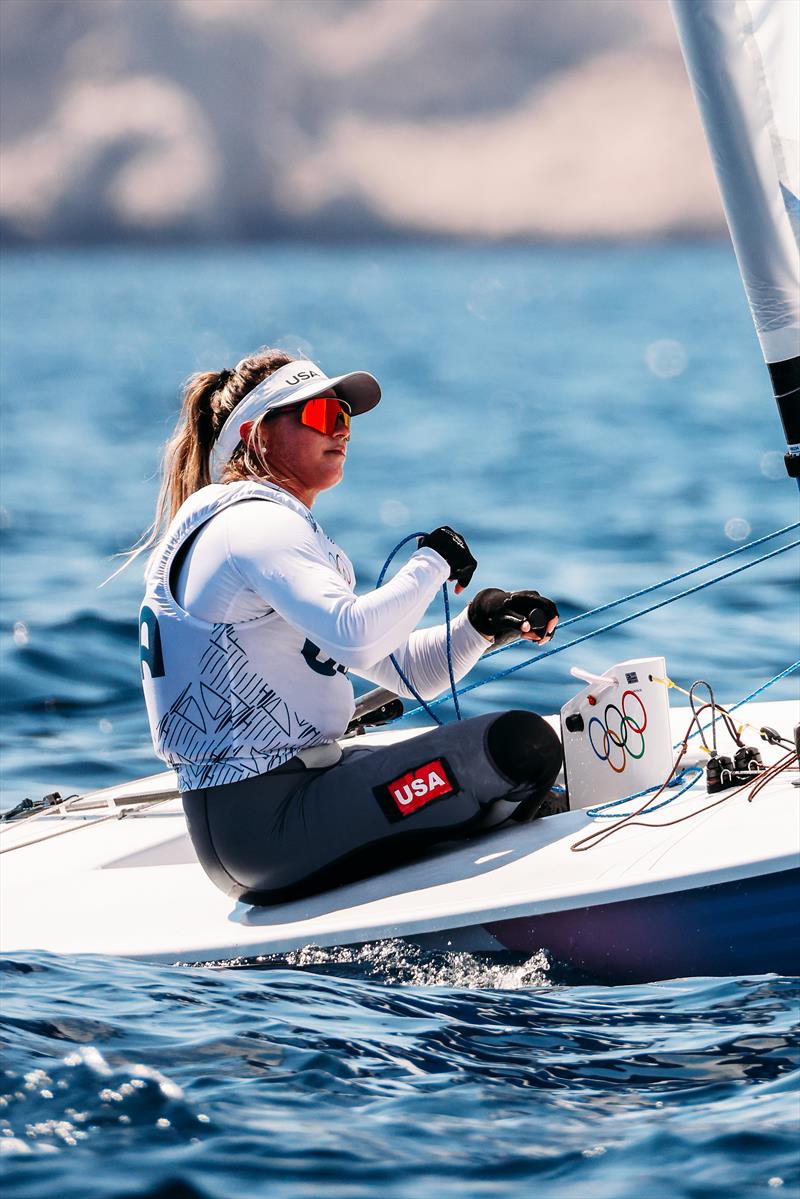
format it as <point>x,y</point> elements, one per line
<point>301,459</point>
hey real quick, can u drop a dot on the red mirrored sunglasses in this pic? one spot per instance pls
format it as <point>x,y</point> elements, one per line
<point>323,413</point>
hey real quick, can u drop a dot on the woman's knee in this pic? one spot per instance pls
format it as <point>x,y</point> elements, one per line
<point>524,748</point>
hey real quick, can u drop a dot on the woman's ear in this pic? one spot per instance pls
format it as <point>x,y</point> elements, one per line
<point>244,430</point>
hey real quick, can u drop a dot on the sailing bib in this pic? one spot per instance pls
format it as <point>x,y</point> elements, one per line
<point>230,700</point>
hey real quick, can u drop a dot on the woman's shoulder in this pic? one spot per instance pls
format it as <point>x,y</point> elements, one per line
<point>217,498</point>
<point>266,502</point>
<point>284,521</point>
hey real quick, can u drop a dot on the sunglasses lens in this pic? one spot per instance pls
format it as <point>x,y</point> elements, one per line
<point>324,414</point>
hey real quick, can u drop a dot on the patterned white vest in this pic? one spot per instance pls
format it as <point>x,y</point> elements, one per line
<point>226,701</point>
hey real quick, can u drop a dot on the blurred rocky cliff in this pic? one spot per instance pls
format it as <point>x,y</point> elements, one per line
<point>180,119</point>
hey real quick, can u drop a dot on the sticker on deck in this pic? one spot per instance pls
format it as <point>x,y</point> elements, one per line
<point>416,788</point>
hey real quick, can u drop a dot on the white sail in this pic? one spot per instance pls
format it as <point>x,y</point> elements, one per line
<point>743,59</point>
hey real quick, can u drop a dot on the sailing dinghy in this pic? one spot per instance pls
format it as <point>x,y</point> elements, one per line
<point>707,884</point>
<point>713,891</point>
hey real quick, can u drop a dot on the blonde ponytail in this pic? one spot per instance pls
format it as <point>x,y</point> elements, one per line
<point>208,400</point>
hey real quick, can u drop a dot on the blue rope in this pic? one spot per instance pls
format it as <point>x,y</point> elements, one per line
<point>615,624</point>
<point>603,812</point>
<point>789,670</point>
<point>685,574</point>
<point>449,647</point>
<point>449,637</point>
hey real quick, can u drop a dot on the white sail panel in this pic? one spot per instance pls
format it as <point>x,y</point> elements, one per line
<point>743,59</point>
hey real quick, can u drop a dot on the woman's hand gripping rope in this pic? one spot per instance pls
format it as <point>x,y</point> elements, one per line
<point>500,616</point>
<point>451,546</point>
<point>504,616</point>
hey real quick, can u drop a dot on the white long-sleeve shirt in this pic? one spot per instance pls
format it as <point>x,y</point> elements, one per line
<point>284,594</point>
<point>249,560</point>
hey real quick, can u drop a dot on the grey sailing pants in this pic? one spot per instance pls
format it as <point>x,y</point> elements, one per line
<point>296,830</point>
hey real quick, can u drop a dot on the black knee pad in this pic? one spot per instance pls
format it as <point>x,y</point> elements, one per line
<point>524,748</point>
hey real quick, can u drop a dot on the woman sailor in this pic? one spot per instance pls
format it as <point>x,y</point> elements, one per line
<point>250,625</point>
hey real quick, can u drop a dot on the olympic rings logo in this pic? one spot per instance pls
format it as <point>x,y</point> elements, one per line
<point>614,729</point>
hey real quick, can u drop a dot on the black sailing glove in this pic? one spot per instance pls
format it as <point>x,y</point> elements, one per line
<point>454,550</point>
<point>500,614</point>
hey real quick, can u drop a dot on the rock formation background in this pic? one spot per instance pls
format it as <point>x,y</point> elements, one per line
<point>127,120</point>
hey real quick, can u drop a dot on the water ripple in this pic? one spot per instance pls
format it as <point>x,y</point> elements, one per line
<point>286,1078</point>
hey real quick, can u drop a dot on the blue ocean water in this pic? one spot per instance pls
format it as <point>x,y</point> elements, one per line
<point>593,420</point>
<point>406,1079</point>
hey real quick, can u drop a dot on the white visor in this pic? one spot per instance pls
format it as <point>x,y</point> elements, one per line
<point>293,383</point>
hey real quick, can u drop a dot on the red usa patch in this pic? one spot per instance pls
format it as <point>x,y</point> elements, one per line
<point>416,788</point>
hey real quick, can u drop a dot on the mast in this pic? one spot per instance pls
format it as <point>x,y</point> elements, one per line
<point>743,60</point>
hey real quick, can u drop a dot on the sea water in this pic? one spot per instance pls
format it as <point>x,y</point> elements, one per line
<point>593,420</point>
